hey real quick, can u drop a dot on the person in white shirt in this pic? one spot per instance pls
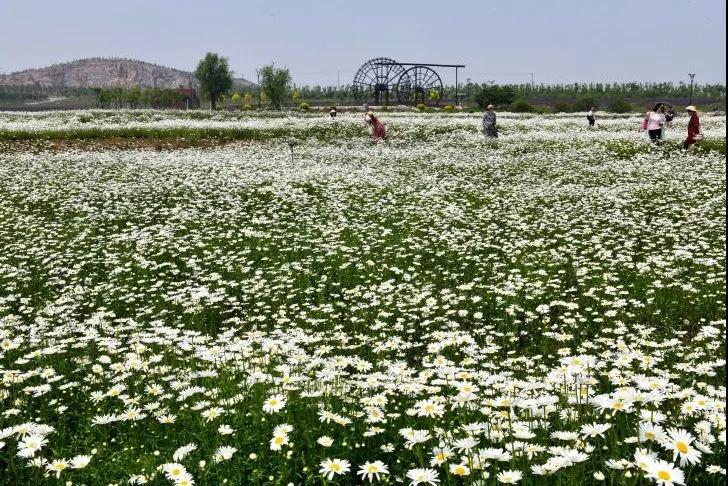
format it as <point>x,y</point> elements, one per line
<point>591,117</point>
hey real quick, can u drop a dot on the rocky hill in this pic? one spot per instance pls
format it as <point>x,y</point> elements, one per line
<point>104,73</point>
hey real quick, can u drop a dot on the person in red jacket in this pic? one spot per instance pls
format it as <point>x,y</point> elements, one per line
<point>377,127</point>
<point>693,128</point>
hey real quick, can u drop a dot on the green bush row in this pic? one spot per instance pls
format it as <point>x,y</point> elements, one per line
<point>321,132</point>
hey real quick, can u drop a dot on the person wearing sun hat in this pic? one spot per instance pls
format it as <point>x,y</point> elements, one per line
<point>694,133</point>
<point>377,127</point>
<point>489,128</point>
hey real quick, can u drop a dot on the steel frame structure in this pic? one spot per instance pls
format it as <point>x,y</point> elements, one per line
<point>379,77</point>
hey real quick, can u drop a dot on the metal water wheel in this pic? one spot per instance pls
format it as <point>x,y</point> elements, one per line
<point>419,84</point>
<point>375,81</point>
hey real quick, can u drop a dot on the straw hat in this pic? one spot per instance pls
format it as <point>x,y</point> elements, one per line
<point>691,108</point>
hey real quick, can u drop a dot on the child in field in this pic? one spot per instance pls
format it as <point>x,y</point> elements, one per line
<point>669,116</point>
<point>376,126</point>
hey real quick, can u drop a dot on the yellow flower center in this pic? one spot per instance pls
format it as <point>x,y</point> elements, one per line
<point>682,447</point>
<point>335,467</point>
<point>664,475</point>
<point>650,435</point>
<point>278,440</point>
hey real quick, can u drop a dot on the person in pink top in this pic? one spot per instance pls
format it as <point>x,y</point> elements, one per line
<point>377,127</point>
<point>655,120</point>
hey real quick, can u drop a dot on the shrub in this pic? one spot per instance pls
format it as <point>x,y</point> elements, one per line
<point>584,103</point>
<point>619,106</point>
<point>304,106</point>
<point>521,106</point>
<point>421,107</point>
<point>247,107</point>
<point>561,106</point>
<point>384,108</point>
<point>448,108</point>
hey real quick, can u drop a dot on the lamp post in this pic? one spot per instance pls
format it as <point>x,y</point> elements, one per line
<point>692,78</point>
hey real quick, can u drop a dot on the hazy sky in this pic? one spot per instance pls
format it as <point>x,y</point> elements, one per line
<point>557,40</point>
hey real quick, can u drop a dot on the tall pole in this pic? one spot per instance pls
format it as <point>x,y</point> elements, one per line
<point>532,85</point>
<point>456,86</point>
<point>692,78</point>
<point>257,75</point>
<point>338,87</point>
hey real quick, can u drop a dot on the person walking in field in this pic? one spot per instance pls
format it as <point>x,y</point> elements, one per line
<point>376,126</point>
<point>654,121</point>
<point>490,129</point>
<point>591,116</point>
<point>669,116</point>
<point>694,133</point>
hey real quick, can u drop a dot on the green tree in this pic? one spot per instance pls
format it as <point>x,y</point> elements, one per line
<point>275,83</point>
<point>214,75</point>
<point>618,105</point>
<point>493,94</point>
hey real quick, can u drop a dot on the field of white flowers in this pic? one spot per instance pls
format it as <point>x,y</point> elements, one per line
<point>306,307</point>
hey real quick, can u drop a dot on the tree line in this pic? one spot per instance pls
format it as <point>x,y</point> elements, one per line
<point>470,91</point>
<point>215,80</point>
<point>138,98</point>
